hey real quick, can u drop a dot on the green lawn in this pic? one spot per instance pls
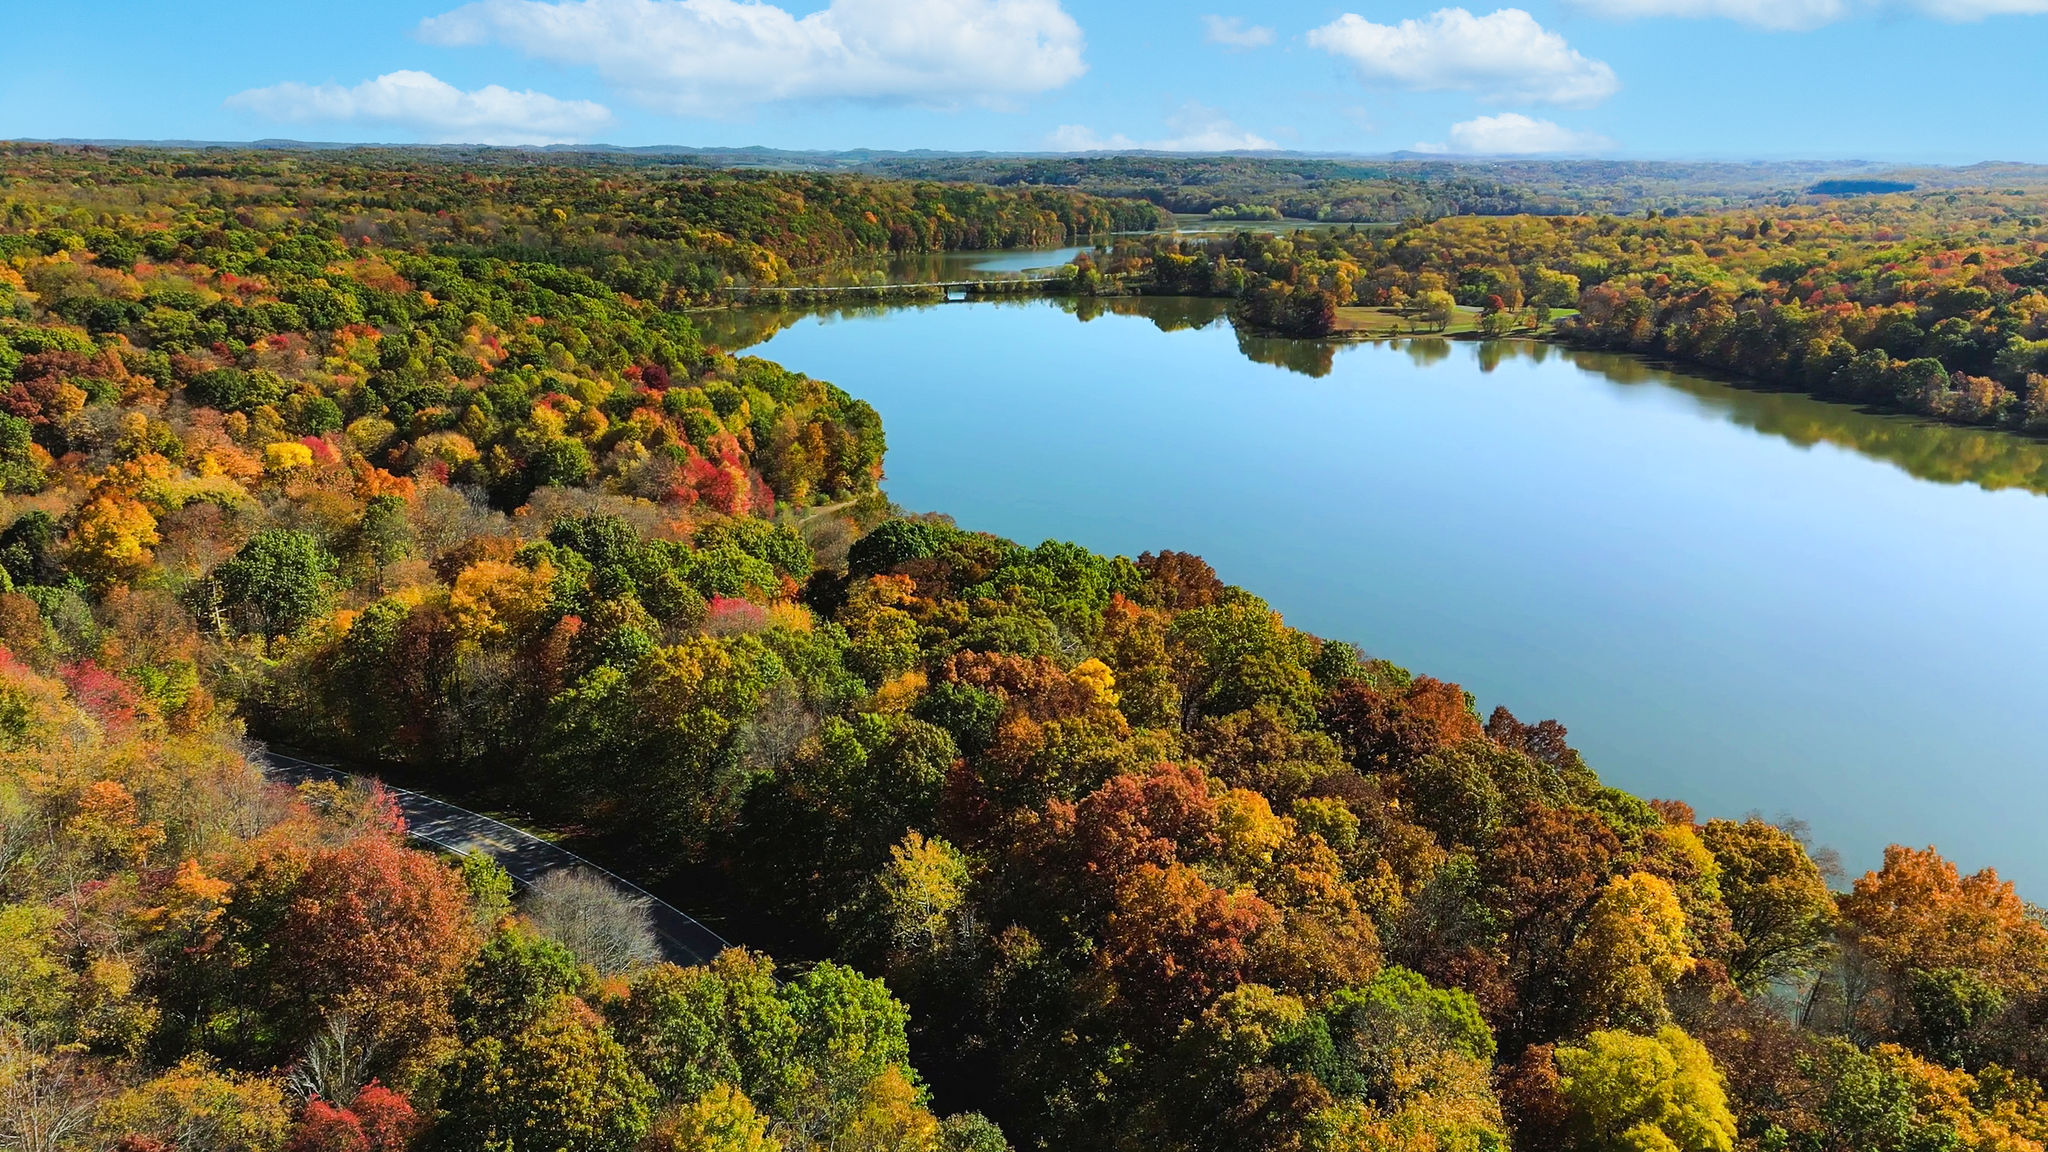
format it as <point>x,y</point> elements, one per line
<point>1387,322</point>
<point>1359,321</point>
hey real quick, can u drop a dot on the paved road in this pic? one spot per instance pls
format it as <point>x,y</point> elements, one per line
<point>526,856</point>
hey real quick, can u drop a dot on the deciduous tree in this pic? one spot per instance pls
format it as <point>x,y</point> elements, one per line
<point>1657,1093</point>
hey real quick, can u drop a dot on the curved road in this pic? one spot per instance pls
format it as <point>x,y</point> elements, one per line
<point>525,856</point>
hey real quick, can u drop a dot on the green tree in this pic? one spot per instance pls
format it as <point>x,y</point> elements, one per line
<point>1866,1103</point>
<point>516,975</point>
<point>1392,1033</point>
<point>847,1021</point>
<point>281,580</point>
<point>27,549</point>
<point>1553,289</point>
<point>690,1029</point>
<point>490,890</point>
<point>234,390</point>
<point>561,462</point>
<point>22,467</point>
<point>896,542</point>
<point>557,1082</point>
<point>665,733</point>
<point>384,535</point>
<point>971,1132</point>
<point>1783,913</point>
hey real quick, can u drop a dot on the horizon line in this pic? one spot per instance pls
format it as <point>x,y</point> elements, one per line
<point>1407,155</point>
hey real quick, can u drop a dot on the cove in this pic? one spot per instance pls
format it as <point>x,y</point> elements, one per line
<point>1747,600</point>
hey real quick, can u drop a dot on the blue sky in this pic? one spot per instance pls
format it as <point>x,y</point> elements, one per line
<point>1934,80</point>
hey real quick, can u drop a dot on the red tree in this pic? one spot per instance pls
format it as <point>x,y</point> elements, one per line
<point>1175,942</point>
<point>1161,818</point>
<point>377,931</point>
<point>379,1120</point>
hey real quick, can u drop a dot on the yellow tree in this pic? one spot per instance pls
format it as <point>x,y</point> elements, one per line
<point>111,540</point>
<point>493,599</point>
<point>922,889</point>
<point>889,1117</point>
<point>1631,949</point>
<point>196,1106</point>
<point>720,1120</point>
<point>1659,1093</point>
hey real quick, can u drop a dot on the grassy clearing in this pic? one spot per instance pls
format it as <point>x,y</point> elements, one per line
<point>1387,322</point>
<point>1381,322</point>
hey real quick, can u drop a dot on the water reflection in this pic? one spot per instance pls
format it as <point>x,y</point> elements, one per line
<point>1426,350</point>
<point>1926,449</point>
<point>1308,357</point>
<point>1945,453</point>
<point>1166,313</point>
<point>738,329</point>
<point>939,267</point>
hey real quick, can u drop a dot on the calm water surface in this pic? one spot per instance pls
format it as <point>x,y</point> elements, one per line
<point>933,267</point>
<point>1750,601</point>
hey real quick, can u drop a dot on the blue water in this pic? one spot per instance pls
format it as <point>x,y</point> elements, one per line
<point>1023,261</point>
<point>1722,603</point>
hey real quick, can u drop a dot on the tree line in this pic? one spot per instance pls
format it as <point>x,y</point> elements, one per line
<point>1934,304</point>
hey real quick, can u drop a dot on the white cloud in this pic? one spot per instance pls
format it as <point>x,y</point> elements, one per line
<point>1513,134</point>
<point>1505,56</point>
<point>1232,32</point>
<point>1194,129</point>
<point>1081,138</point>
<point>436,110</point>
<point>710,57</point>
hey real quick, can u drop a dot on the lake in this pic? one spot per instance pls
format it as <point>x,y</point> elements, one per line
<point>1748,600</point>
<point>935,267</point>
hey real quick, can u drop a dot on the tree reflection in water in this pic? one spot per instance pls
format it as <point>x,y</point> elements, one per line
<point>1926,449</point>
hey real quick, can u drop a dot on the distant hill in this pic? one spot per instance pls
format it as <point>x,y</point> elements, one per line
<point>1337,188</point>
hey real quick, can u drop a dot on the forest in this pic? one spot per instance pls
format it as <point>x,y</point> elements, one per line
<point>1935,304</point>
<point>426,468</point>
<point>1412,186</point>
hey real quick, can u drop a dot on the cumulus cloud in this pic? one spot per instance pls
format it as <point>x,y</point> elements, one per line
<point>1513,134</point>
<point>433,109</point>
<point>712,57</point>
<point>1232,32</point>
<point>1505,56</point>
<point>1193,129</point>
<point>1081,138</point>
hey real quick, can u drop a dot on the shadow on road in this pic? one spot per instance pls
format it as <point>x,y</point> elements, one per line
<point>524,856</point>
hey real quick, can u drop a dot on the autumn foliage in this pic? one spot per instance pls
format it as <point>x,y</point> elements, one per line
<point>406,461</point>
